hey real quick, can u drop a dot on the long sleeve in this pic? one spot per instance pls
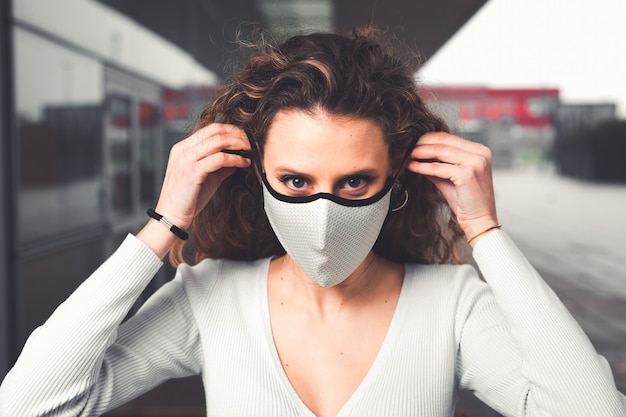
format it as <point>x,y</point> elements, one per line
<point>521,350</point>
<point>74,366</point>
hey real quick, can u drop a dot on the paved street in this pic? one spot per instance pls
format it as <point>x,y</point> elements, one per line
<point>574,233</point>
<point>572,229</point>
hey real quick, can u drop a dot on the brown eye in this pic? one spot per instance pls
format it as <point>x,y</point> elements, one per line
<point>295,183</point>
<point>355,182</point>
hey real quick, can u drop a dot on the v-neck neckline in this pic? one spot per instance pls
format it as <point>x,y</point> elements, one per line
<point>392,333</point>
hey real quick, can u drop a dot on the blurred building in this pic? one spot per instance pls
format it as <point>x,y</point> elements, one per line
<point>570,119</point>
<point>517,124</point>
<point>83,147</point>
<point>182,108</point>
<point>584,152</point>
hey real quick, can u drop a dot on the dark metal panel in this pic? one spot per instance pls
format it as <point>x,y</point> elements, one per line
<point>205,29</point>
<point>7,185</point>
<point>425,24</point>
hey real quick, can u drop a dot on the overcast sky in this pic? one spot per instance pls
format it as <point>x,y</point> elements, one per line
<point>578,46</point>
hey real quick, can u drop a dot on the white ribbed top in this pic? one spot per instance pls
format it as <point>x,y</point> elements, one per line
<point>511,341</point>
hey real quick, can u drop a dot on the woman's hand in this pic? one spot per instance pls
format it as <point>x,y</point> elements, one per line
<point>463,176</point>
<point>195,169</point>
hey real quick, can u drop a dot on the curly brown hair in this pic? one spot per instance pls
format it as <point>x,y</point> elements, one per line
<point>361,75</point>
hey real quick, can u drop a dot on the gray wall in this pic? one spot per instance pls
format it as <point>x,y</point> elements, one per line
<point>7,234</point>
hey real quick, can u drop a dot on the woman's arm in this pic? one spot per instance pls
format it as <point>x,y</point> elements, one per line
<point>521,351</point>
<point>71,364</point>
<point>80,363</point>
<point>62,358</point>
<point>523,340</point>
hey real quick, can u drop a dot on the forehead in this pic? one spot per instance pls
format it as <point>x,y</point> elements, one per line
<point>299,134</point>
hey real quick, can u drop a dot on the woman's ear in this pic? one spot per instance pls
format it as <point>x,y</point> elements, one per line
<point>401,155</point>
<point>255,153</point>
<point>399,158</point>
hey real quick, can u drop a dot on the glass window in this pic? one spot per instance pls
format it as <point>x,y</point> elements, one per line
<point>119,134</point>
<point>149,131</point>
<point>48,279</point>
<point>59,111</point>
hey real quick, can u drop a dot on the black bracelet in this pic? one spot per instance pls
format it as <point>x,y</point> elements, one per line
<point>180,233</point>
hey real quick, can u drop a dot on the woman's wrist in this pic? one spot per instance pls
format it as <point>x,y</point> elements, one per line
<point>475,231</point>
<point>472,240</point>
<point>157,237</point>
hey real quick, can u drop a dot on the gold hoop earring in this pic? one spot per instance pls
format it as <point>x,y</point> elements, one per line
<point>401,206</point>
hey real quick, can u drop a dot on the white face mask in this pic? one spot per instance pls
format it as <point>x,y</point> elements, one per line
<point>327,236</point>
<point>328,240</point>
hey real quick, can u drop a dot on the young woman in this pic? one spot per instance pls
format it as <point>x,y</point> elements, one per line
<point>323,232</point>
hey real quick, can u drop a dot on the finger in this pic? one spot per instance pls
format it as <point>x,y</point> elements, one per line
<point>447,139</point>
<point>200,171</point>
<point>212,139</point>
<point>217,137</point>
<point>436,158</point>
<point>473,168</point>
<point>467,191</point>
<point>220,160</point>
<point>443,147</point>
<point>450,153</point>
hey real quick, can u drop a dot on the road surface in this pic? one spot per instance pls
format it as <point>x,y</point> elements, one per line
<point>572,229</point>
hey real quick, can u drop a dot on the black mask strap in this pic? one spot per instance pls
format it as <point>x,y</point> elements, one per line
<point>255,153</point>
<point>254,156</point>
<point>403,185</point>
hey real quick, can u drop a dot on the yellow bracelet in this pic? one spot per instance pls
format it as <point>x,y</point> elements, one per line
<point>497,226</point>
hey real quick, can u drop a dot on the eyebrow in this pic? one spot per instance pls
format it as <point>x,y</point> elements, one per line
<point>285,170</point>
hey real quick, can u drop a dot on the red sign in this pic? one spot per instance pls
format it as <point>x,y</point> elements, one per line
<point>531,107</point>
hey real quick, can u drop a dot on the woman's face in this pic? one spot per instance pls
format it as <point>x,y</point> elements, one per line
<point>308,153</point>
